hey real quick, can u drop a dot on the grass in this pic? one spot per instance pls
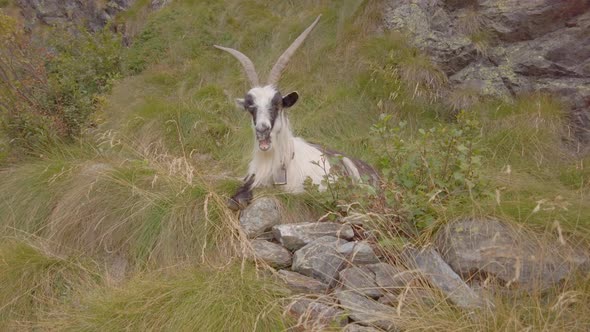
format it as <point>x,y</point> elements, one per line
<point>149,183</point>
<point>34,281</point>
<point>197,299</point>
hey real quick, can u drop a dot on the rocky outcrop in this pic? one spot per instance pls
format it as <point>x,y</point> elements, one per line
<point>487,248</point>
<point>506,48</point>
<point>93,14</point>
<point>271,253</point>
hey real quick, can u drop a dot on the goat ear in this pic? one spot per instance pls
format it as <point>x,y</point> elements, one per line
<point>290,99</point>
<point>240,102</point>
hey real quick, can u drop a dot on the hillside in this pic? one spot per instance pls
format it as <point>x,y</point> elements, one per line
<point>114,180</point>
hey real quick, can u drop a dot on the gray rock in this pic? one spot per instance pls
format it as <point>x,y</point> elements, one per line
<point>431,30</point>
<point>536,45</point>
<point>302,284</point>
<point>260,216</point>
<point>314,315</point>
<point>439,274</point>
<point>359,328</point>
<point>514,20</point>
<point>68,13</point>
<point>361,280</point>
<point>389,299</point>
<point>390,278</point>
<point>366,311</point>
<point>272,253</point>
<point>320,259</point>
<point>358,253</point>
<point>295,236</point>
<point>492,248</point>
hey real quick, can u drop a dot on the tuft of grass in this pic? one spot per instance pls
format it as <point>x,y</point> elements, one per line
<point>197,299</point>
<point>34,281</point>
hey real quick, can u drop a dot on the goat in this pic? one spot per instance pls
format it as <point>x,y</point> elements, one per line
<point>280,158</point>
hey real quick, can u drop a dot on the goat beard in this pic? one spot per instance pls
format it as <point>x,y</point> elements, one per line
<point>264,144</point>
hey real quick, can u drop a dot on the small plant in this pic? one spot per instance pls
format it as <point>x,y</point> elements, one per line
<point>432,169</point>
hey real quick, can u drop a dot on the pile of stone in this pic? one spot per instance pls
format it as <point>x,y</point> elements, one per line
<point>341,281</point>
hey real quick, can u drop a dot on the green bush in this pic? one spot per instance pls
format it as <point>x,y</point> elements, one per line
<point>432,168</point>
<point>49,93</point>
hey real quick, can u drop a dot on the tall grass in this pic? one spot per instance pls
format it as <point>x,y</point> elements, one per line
<point>34,281</point>
<point>228,299</point>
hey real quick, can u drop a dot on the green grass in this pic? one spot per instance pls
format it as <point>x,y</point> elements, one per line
<point>34,281</point>
<point>149,183</point>
<point>197,299</point>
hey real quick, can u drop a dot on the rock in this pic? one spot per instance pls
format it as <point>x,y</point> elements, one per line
<point>489,247</point>
<point>439,274</point>
<point>358,328</point>
<point>271,253</point>
<point>302,284</point>
<point>93,14</point>
<point>431,30</point>
<point>532,46</point>
<point>358,253</point>
<point>259,217</point>
<point>313,315</point>
<point>366,311</point>
<point>361,280</point>
<point>390,278</point>
<point>388,299</point>
<point>295,236</point>
<point>320,259</point>
<point>514,20</point>
<point>159,4</point>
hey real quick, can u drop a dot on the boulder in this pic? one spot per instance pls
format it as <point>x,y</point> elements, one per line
<point>302,284</point>
<point>439,274</point>
<point>358,253</point>
<point>320,259</point>
<point>295,236</point>
<point>259,217</point>
<point>390,278</point>
<point>315,315</point>
<point>366,311</point>
<point>361,280</point>
<point>271,253</point>
<point>491,248</point>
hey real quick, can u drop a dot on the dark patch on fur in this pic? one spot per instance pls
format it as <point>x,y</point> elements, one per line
<point>250,107</point>
<point>275,108</point>
<point>365,170</point>
<point>243,195</point>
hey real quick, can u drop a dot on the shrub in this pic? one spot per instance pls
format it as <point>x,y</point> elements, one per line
<point>431,169</point>
<point>48,94</point>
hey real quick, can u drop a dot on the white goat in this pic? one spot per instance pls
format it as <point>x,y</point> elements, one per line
<point>280,158</point>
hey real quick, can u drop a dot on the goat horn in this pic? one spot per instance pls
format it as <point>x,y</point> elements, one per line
<point>246,63</point>
<point>277,69</point>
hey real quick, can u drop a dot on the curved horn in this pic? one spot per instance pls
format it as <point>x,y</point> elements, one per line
<point>277,69</point>
<point>246,63</point>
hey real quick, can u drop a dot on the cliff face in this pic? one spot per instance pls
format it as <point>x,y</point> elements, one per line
<point>94,14</point>
<point>507,47</point>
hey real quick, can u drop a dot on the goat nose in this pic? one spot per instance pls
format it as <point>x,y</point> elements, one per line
<point>262,128</point>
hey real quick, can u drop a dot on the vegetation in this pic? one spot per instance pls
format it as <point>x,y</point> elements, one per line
<point>131,152</point>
